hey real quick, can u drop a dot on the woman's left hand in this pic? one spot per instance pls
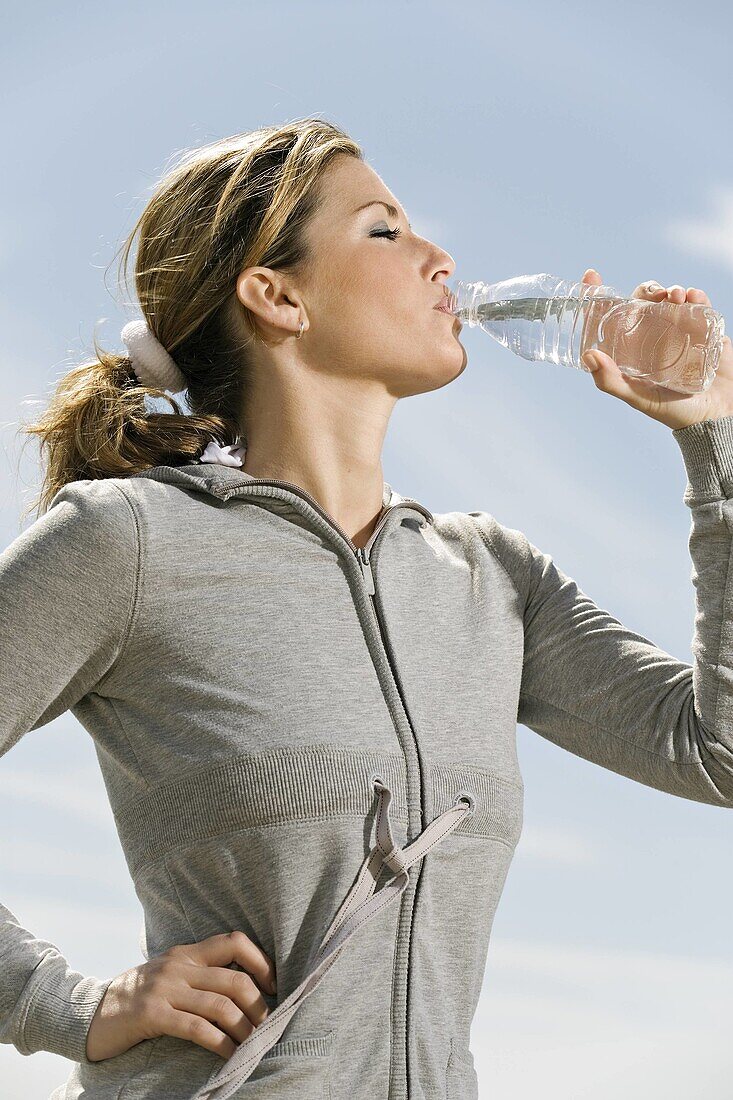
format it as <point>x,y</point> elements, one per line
<point>676,410</point>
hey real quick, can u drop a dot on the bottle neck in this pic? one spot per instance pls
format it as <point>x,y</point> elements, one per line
<point>466,298</point>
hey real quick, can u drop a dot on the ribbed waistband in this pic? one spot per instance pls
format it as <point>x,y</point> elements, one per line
<point>285,785</point>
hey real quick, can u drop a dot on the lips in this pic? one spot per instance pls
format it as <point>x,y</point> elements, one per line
<point>444,307</point>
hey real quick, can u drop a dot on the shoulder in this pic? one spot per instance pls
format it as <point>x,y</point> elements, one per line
<point>79,560</point>
<point>98,509</point>
<point>89,526</point>
<point>479,533</point>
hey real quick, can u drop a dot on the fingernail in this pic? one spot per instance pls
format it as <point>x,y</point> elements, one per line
<point>591,362</point>
<point>654,288</point>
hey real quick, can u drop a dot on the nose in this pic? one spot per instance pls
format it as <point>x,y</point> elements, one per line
<point>446,266</point>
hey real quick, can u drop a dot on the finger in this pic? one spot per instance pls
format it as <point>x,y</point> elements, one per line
<point>651,290</point>
<point>218,1009</point>
<point>640,393</point>
<point>592,277</point>
<point>196,1029</point>
<point>238,987</point>
<point>234,947</point>
<point>697,296</point>
<point>676,293</point>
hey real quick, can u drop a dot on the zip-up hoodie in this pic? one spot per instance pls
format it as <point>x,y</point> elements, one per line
<point>316,744</point>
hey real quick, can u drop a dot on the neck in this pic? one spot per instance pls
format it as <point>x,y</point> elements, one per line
<point>330,446</point>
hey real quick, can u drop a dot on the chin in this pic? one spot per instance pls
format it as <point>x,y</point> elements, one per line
<point>451,369</point>
<point>435,377</point>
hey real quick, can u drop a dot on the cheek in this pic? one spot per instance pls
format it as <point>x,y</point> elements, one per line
<point>380,276</point>
<point>376,306</point>
<point>368,298</point>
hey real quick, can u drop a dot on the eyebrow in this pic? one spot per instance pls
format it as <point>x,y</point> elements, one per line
<point>391,210</point>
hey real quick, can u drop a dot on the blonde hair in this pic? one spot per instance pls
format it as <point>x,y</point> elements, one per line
<point>238,202</point>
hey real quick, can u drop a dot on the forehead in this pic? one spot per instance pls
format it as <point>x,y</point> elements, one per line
<point>351,183</point>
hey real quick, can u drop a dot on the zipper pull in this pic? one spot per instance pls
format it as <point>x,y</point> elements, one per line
<point>366,570</point>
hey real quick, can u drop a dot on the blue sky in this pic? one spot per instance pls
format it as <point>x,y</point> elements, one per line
<point>523,138</point>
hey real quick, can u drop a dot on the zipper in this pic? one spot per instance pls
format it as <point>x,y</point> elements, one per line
<point>361,552</point>
<point>366,570</point>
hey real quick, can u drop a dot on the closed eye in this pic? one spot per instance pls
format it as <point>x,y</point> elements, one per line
<point>392,234</point>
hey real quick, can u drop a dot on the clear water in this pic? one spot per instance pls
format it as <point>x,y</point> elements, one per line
<point>677,346</point>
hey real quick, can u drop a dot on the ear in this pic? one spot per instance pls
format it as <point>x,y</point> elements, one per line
<point>262,291</point>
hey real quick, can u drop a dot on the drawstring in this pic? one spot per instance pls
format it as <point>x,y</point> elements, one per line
<point>360,905</point>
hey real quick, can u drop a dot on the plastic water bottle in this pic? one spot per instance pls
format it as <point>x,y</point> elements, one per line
<point>543,317</point>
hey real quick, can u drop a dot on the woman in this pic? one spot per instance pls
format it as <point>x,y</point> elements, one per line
<point>277,654</point>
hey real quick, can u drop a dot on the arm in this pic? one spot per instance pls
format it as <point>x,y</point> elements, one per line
<point>68,587</point>
<point>605,693</point>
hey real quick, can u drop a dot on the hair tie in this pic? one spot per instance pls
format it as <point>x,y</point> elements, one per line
<point>231,455</point>
<point>151,363</point>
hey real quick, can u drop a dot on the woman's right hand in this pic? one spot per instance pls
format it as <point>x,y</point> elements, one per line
<point>187,991</point>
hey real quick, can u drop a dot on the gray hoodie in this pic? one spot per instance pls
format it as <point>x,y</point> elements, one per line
<point>316,744</point>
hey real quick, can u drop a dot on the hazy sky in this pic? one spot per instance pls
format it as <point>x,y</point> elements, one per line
<point>523,138</point>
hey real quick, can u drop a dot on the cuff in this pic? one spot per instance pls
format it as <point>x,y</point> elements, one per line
<point>707,451</point>
<point>59,1013</point>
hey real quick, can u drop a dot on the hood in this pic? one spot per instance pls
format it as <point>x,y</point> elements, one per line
<point>218,476</point>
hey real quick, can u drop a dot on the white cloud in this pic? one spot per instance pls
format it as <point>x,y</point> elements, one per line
<point>59,793</point>
<point>583,1023</point>
<point>554,844</point>
<point>91,935</point>
<point>49,862</point>
<point>708,238</point>
<point>610,965</point>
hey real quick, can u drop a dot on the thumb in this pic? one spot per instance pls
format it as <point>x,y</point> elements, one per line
<point>595,360</point>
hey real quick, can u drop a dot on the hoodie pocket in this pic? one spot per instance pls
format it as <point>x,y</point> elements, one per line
<point>461,1082</point>
<point>169,1066</point>
<point>295,1067</point>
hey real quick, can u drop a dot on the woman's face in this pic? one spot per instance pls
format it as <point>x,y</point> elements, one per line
<point>367,299</point>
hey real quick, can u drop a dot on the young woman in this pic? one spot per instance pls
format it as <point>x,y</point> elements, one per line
<point>302,686</point>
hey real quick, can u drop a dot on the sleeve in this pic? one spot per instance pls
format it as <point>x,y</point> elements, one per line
<point>68,591</point>
<point>610,695</point>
